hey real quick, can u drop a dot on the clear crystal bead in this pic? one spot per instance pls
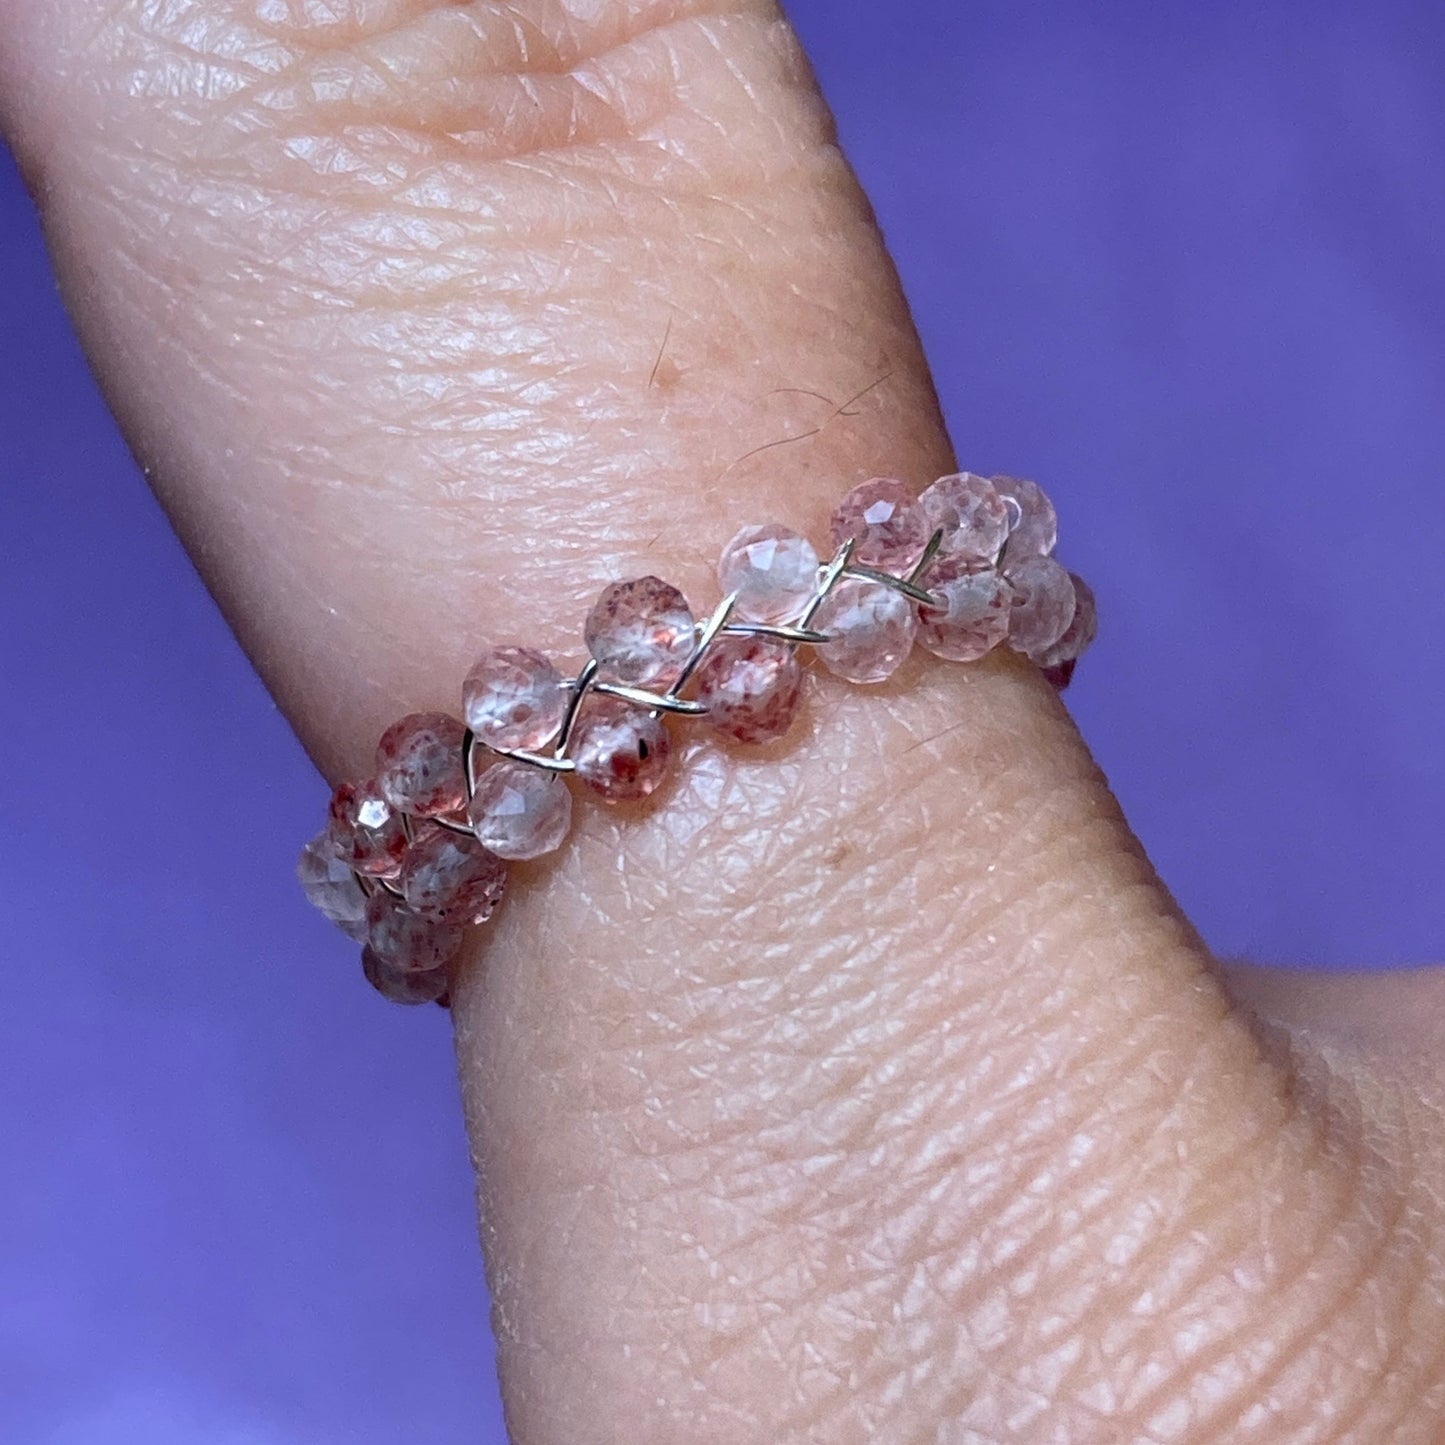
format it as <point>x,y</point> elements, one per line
<point>870,627</point>
<point>885,522</point>
<point>773,570</point>
<point>1035,524</point>
<point>401,938</point>
<point>1043,604</point>
<point>520,811</point>
<point>401,985</point>
<point>1081,631</point>
<point>365,831</point>
<point>331,887</point>
<point>514,698</point>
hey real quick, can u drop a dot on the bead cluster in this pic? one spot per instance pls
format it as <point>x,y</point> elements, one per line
<point>417,853</point>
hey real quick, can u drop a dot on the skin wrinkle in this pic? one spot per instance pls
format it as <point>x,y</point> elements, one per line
<point>1225,1347</point>
<point>1029,1252</point>
<point>629,88</point>
<point>1188,1279</point>
<point>1312,1336</point>
<point>888,1358</point>
<point>1324,1316</point>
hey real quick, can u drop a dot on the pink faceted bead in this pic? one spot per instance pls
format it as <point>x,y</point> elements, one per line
<point>365,831</point>
<point>971,514</point>
<point>514,698</point>
<point>751,686</point>
<point>331,887</point>
<point>404,940</point>
<point>621,752</point>
<point>870,627</point>
<point>773,570</point>
<point>889,526</point>
<point>419,765</point>
<point>641,633</point>
<point>1081,631</point>
<point>974,617</point>
<point>1035,530</point>
<point>450,877</point>
<point>401,985</point>
<point>1043,604</point>
<point>520,811</point>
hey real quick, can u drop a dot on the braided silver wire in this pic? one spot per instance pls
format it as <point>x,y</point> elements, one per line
<point>798,633</point>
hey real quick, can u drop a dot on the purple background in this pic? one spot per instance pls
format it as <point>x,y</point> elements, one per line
<point>1181,263</point>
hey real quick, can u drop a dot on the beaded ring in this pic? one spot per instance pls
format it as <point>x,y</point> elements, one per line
<point>415,854</point>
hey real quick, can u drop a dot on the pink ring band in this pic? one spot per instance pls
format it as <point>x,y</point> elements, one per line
<point>417,853</point>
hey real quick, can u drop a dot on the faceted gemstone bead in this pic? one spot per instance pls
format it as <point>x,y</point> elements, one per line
<point>621,752</point>
<point>331,887</point>
<point>974,617</point>
<point>1035,525</point>
<point>888,525</point>
<point>751,686</point>
<point>971,514</point>
<point>870,627</point>
<point>773,570</point>
<point>1043,604</point>
<point>450,877</point>
<point>404,940</point>
<point>520,811</point>
<point>419,765</point>
<point>365,831</point>
<point>641,633</point>
<point>1061,675</point>
<point>401,985</point>
<point>514,698</point>
<point>1080,633</point>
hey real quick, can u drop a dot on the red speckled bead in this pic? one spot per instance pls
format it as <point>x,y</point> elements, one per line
<point>1043,604</point>
<point>451,878</point>
<point>400,985</point>
<point>886,523</point>
<point>970,513</point>
<point>1080,633</point>
<point>402,939</point>
<point>419,765</point>
<point>1035,530</point>
<point>621,752</point>
<point>973,619</point>
<point>751,686</point>
<point>641,633</point>
<point>366,831</point>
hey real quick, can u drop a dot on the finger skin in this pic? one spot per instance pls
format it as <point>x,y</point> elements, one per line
<point>869,1088</point>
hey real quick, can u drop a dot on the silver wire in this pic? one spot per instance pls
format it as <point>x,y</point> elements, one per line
<point>797,634</point>
<point>827,582</point>
<point>653,701</point>
<point>898,584</point>
<point>779,630</point>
